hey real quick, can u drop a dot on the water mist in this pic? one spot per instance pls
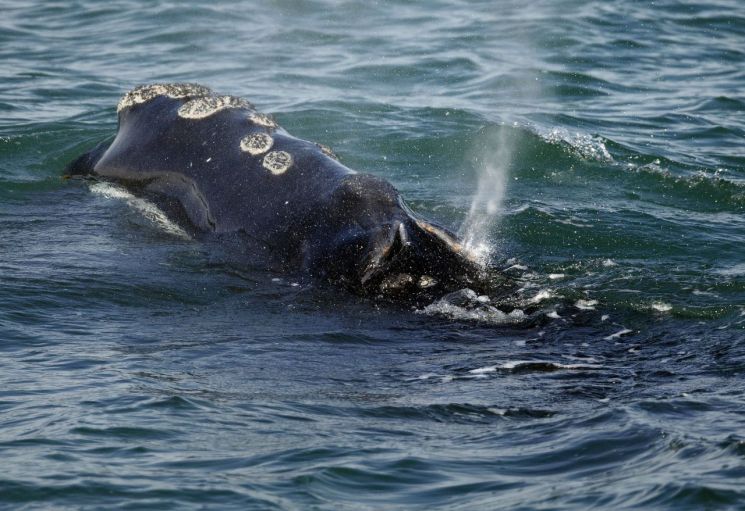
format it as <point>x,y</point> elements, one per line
<point>493,162</point>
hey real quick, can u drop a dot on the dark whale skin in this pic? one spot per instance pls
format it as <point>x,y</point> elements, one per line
<point>314,216</point>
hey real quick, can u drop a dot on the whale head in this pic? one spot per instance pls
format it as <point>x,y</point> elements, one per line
<point>375,245</point>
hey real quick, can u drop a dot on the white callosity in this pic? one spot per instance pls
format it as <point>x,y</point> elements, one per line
<point>145,93</point>
<point>262,120</point>
<point>200,108</point>
<point>327,151</point>
<point>256,144</point>
<point>277,162</point>
<point>202,103</point>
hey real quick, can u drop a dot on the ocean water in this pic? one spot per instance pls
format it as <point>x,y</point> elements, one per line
<point>601,146</point>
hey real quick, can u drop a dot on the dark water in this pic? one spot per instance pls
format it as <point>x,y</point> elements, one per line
<point>139,370</point>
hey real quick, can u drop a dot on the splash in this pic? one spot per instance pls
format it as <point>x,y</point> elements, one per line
<point>466,304</point>
<point>147,209</point>
<point>493,163</point>
<point>583,145</point>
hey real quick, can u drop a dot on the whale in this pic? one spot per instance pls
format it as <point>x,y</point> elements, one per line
<point>225,171</point>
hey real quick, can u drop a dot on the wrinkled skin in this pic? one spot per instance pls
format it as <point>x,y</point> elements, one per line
<point>317,216</point>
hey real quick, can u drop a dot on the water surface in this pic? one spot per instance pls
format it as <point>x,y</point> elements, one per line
<point>140,370</point>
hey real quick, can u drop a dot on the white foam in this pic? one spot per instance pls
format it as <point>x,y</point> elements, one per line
<point>483,313</point>
<point>586,146</point>
<point>482,370</point>
<point>478,251</point>
<point>544,294</point>
<point>146,208</point>
<point>733,271</point>
<point>618,334</point>
<point>516,364</point>
<point>661,307</point>
<point>589,360</point>
<point>586,304</point>
<point>513,364</point>
<point>698,292</point>
<point>520,267</point>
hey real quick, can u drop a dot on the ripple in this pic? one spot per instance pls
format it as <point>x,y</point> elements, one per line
<point>691,495</point>
<point>455,412</point>
<point>94,494</point>
<point>143,371</point>
<point>122,432</point>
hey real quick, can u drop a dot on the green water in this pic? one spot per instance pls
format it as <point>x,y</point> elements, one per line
<point>141,370</point>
